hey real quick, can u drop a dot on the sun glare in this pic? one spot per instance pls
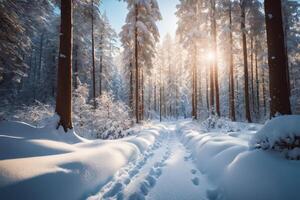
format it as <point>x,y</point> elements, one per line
<point>210,56</point>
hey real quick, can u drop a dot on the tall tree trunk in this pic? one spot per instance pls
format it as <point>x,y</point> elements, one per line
<point>64,78</point>
<point>101,65</point>
<point>93,58</point>
<point>160,94</point>
<point>76,68</point>
<point>136,67</point>
<point>155,88</point>
<point>34,75</point>
<point>252,73</point>
<point>143,97</point>
<point>264,91</point>
<point>170,87</point>
<point>53,81</point>
<point>246,78</point>
<point>195,83</point>
<point>231,71</point>
<point>131,87</point>
<point>207,90</point>
<point>212,90</point>
<point>278,67</point>
<point>257,80</point>
<point>40,59</point>
<point>215,49</point>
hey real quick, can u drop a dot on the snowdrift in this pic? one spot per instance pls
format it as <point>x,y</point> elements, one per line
<point>43,163</point>
<point>281,134</point>
<point>240,171</point>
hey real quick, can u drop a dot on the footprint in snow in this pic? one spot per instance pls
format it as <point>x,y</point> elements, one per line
<point>137,196</point>
<point>114,190</point>
<point>195,181</point>
<point>193,171</point>
<point>187,158</point>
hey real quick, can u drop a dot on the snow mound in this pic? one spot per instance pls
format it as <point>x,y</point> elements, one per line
<point>24,130</point>
<point>45,163</point>
<point>282,133</point>
<point>237,171</point>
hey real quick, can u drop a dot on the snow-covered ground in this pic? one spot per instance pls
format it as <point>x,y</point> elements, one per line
<point>173,160</point>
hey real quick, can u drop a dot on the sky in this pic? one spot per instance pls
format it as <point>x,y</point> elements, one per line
<point>116,12</point>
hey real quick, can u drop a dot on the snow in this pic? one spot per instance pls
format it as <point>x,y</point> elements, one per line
<point>278,129</point>
<point>42,163</point>
<point>239,171</point>
<point>184,159</point>
<point>166,171</point>
<point>270,16</point>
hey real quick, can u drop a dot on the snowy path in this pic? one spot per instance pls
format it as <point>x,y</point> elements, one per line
<point>165,171</point>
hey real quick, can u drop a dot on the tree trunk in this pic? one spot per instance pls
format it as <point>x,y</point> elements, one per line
<point>143,97</point>
<point>76,68</point>
<point>131,87</point>
<point>40,59</point>
<point>264,92</point>
<point>160,95</point>
<point>257,81</point>
<point>212,91</point>
<point>101,65</point>
<point>246,78</point>
<point>207,90</point>
<point>34,76</point>
<point>278,67</point>
<point>53,81</point>
<point>252,74</point>
<point>93,58</point>
<point>215,49</point>
<point>64,78</point>
<point>195,83</point>
<point>231,72</point>
<point>136,67</point>
<point>155,88</point>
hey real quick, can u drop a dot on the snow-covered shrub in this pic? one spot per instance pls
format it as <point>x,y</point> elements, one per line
<point>82,111</point>
<point>112,117</point>
<point>215,122</point>
<point>37,114</point>
<point>108,120</point>
<point>282,134</point>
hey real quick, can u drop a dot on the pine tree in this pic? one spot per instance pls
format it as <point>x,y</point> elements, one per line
<point>139,36</point>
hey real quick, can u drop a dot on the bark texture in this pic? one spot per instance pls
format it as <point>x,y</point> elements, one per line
<point>278,67</point>
<point>64,79</point>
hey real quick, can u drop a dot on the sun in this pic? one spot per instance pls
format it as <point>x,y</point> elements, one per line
<point>210,56</point>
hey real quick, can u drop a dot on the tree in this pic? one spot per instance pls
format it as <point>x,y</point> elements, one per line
<point>278,65</point>
<point>93,55</point>
<point>214,49</point>
<point>139,36</point>
<point>64,77</point>
<point>231,68</point>
<point>189,14</point>
<point>245,54</point>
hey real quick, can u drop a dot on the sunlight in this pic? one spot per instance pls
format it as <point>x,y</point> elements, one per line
<point>210,56</point>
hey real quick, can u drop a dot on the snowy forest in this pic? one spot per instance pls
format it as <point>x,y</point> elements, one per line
<point>99,101</point>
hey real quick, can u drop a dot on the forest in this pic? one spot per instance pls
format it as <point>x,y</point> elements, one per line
<point>150,99</point>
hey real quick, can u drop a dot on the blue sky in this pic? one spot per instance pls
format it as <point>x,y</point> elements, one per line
<point>116,12</point>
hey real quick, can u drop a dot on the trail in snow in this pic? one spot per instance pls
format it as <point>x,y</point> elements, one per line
<point>165,171</point>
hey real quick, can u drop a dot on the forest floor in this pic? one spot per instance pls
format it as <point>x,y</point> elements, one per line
<point>176,160</point>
